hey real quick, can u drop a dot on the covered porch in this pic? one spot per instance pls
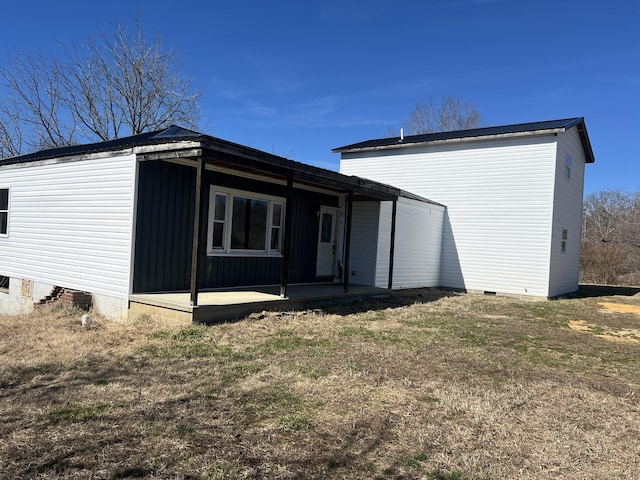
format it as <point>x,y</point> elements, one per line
<point>216,219</point>
<point>230,304</point>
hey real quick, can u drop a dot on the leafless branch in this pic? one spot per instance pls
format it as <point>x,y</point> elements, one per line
<point>450,114</point>
<point>611,237</point>
<point>99,90</point>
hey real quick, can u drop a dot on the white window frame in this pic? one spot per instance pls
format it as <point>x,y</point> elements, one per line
<point>226,249</point>
<point>8,189</point>
<point>565,238</point>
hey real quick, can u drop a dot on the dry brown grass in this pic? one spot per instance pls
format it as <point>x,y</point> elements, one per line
<point>425,385</point>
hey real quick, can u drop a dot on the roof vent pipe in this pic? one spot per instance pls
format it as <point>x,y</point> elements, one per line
<point>401,134</point>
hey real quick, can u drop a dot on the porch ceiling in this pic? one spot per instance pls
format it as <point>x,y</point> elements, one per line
<point>238,157</point>
<point>281,168</point>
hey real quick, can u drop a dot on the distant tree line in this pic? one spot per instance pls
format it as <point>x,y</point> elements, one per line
<point>611,238</point>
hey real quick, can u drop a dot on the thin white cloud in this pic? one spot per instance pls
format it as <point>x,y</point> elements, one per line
<point>314,108</point>
<point>260,109</point>
<point>231,90</point>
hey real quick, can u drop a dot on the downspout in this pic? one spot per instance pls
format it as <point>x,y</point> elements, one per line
<point>195,250</point>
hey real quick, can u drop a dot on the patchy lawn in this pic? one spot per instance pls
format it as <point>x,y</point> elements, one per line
<point>425,385</point>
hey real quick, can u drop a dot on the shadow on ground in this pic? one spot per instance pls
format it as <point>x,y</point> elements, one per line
<point>397,298</point>
<point>401,298</point>
<point>590,291</point>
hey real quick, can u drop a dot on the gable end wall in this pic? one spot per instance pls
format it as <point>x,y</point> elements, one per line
<point>567,214</point>
<point>70,223</point>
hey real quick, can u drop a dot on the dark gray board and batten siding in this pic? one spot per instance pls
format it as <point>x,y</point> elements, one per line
<point>164,228</point>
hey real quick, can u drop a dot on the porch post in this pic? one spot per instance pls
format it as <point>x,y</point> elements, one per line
<point>394,211</point>
<point>195,251</point>
<point>347,247</point>
<point>286,244</point>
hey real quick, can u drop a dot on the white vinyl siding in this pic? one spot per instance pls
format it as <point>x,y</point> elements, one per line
<point>417,246</point>
<point>567,215</point>
<point>384,245</point>
<point>71,223</point>
<point>499,196</point>
<point>418,238</point>
<point>364,243</point>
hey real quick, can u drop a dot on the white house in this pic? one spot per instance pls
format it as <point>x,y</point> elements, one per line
<point>153,222</point>
<point>148,223</point>
<point>513,195</point>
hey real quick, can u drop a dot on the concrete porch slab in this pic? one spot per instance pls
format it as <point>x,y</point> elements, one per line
<point>230,304</point>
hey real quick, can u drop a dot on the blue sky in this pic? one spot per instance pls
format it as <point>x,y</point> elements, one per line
<point>298,78</point>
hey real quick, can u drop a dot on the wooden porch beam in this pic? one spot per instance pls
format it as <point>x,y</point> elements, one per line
<point>191,153</point>
<point>305,173</point>
<point>394,211</point>
<point>347,246</point>
<point>286,241</point>
<point>195,252</point>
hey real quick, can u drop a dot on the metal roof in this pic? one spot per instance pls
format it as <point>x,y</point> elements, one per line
<point>225,152</point>
<point>520,129</point>
<point>165,135</point>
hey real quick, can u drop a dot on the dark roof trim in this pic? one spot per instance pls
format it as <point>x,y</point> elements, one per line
<point>166,135</point>
<point>521,129</point>
<point>215,148</point>
<point>586,142</point>
<point>258,161</point>
<point>412,196</point>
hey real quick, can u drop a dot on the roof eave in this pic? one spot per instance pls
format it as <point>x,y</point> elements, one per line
<point>260,161</point>
<point>402,144</point>
<point>399,143</point>
<point>586,142</point>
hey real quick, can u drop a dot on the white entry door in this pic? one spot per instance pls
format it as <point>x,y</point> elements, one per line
<point>326,263</point>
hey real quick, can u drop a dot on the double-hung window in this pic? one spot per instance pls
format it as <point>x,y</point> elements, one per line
<point>4,212</point>
<point>244,223</point>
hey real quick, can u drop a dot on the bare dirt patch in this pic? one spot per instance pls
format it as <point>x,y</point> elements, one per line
<point>629,334</point>
<point>620,307</point>
<point>625,335</point>
<point>425,385</point>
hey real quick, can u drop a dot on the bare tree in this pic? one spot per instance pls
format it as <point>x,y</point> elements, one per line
<point>10,135</point>
<point>34,109</point>
<point>120,85</point>
<point>611,237</point>
<point>450,114</point>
